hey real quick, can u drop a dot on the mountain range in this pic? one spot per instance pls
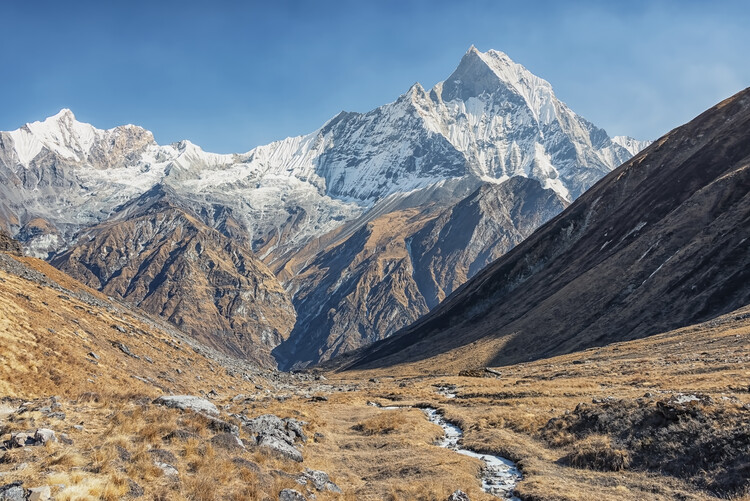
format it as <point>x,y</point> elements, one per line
<point>658,244</point>
<point>314,245</point>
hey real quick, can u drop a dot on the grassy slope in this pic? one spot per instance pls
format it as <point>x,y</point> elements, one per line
<point>370,453</point>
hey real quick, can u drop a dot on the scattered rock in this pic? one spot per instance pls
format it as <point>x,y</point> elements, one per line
<point>163,456</point>
<point>458,495</point>
<point>12,492</point>
<point>280,447</point>
<point>134,490</point>
<point>295,427</point>
<point>682,404</point>
<point>321,480</point>
<point>93,355</point>
<point>291,495</point>
<point>19,440</point>
<point>227,441</point>
<point>123,348</point>
<point>319,398</point>
<point>40,493</point>
<point>168,470</point>
<point>181,435</point>
<point>188,402</point>
<point>43,436</point>
<point>119,328</point>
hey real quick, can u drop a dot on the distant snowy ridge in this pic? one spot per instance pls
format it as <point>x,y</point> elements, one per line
<point>490,120</point>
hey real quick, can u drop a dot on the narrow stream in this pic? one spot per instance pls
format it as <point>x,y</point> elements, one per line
<point>499,475</point>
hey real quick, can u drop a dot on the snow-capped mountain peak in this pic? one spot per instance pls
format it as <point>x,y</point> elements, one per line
<point>66,137</point>
<point>490,120</point>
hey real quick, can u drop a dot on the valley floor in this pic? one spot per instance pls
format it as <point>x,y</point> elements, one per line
<point>660,418</point>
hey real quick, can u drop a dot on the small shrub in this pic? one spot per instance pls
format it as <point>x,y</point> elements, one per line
<point>597,453</point>
<point>381,424</point>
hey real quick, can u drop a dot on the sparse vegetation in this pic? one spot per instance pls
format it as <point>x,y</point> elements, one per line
<point>579,426</point>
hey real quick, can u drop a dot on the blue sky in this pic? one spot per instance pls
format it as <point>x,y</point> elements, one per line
<point>231,75</point>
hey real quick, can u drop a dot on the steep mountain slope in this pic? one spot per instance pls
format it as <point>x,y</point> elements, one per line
<point>659,243</point>
<point>165,260</point>
<point>61,337</point>
<point>394,268</point>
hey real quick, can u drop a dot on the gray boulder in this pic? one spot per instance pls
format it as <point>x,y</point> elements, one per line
<point>458,495</point>
<point>227,441</point>
<point>188,402</point>
<point>44,435</point>
<point>291,495</point>
<point>280,447</point>
<point>20,440</point>
<point>40,493</point>
<point>295,427</point>
<point>12,492</point>
<point>321,480</point>
<point>168,470</point>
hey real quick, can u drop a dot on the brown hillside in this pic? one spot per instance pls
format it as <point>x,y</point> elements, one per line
<point>164,260</point>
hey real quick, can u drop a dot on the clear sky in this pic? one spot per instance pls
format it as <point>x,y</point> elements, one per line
<point>232,75</point>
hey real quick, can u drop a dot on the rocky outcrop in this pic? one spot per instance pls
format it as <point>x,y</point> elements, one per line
<point>188,403</point>
<point>166,261</point>
<point>9,244</point>
<point>276,435</point>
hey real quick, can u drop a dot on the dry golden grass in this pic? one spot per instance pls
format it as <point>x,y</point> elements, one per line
<point>505,415</point>
<point>371,453</point>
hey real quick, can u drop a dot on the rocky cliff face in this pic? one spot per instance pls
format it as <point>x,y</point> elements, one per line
<point>166,261</point>
<point>396,267</point>
<point>9,245</point>
<point>658,244</point>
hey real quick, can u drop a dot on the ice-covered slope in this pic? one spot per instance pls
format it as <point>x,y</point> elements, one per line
<point>490,120</point>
